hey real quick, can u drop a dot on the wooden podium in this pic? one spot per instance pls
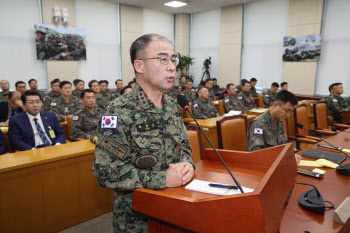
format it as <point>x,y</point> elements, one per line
<point>270,172</point>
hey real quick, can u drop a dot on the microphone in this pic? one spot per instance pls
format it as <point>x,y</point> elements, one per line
<point>300,126</point>
<point>183,102</point>
<point>334,129</point>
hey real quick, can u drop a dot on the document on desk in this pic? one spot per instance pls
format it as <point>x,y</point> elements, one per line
<point>203,186</point>
<point>233,113</point>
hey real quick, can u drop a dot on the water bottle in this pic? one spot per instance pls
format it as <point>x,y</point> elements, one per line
<point>65,114</point>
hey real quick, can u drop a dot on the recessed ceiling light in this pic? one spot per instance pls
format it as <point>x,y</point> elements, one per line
<point>175,4</point>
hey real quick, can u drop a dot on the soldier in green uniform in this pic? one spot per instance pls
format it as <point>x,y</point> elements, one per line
<point>85,121</point>
<point>245,96</point>
<point>202,108</point>
<point>209,85</point>
<point>142,142</point>
<point>101,102</point>
<point>53,94</point>
<point>79,87</point>
<point>79,53</point>
<point>104,90</point>
<point>5,87</point>
<point>33,84</point>
<point>269,96</point>
<point>66,104</point>
<point>336,104</point>
<point>231,102</point>
<point>189,93</point>
<point>119,86</point>
<point>172,92</point>
<point>284,86</point>
<point>21,86</point>
<point>267,130</point>
<point>253,82</point>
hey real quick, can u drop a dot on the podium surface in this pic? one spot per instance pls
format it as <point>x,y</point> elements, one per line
<point>270,172</point>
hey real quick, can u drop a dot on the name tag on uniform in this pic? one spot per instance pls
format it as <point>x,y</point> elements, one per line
<point>147,126</point>
<point>258,131</point>
<point>240,97</point>
<point>196,105</point>
<point>75,118</point>
<point>227,100</point>
<point>52,133</point>
<point>267,95</point>
<point>109,121</point>
<point>335,100</point>
<point>53,104</point>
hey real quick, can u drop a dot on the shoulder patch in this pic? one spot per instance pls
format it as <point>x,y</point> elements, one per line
<point>53,104</point>
<point>109,121</point>
<point>258,131</point>
<point>75,118</point>
<point>335,100</point>
<point>240,97</point>
<point>227,100</point>
<point>195,105</point>
<point>113,147</point>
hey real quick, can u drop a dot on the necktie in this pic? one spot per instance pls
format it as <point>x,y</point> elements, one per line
<point>13,112</point>
<point>41,133</point>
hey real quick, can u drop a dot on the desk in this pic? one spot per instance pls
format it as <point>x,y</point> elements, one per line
<point>333,187</point>
<point>50,189</point>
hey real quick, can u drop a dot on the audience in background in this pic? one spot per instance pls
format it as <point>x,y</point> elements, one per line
<point>202,107</point>
<point>231,102</point>
<point>132,84</point>
<point>11,107</point>
<point>269,96</point>
<point>119,85</point>
<point>336,104</point>
<point>217,89</point>
<point>103,90</point>
<point>101,101</point>
<point>253,82</point>
<point>245,96</point>
<point>284,86</point>
<point>53,94</point>
<point>189,93</point>
<point>5,86</point>
<point>79,86</point>
<point>240,87</point>
<point>21,86</point>
<point>125,90</point>
<point>209,85</point>
<point>33,84</point>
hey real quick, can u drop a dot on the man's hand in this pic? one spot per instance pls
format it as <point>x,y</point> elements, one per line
<point>174,176</point>
<point>19,103</point>
<point>5,124</point>
<point>297,158</point>
<point>187,171</point>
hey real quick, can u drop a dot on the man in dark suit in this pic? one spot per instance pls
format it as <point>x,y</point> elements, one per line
<point>11,107</point>
<point>3,143</point>
<point>34,128</point>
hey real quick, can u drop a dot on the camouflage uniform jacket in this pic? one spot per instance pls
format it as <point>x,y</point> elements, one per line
<point>247,100</point>
<point>76,93</point>
<point>106,95</point>
<point>190,95</point>
<point>263,132</point>
<point>253,92</point>
<point>137,153</point>
<point>3,96</point>
<point>211,96</point>
<point>173,92</point>
<point>336,106</point>
<point>58,106</point>
<point>238,89</point>
<point>115,94</point>
<point>102,102</point>
<point>48,99</point>
<point>269,98</point>
<point>204,109</point>
<point>85,124</point>
<point>233,103</point>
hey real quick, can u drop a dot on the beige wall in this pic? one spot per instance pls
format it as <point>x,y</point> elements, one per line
<point>230,45</point>
<point>64,70</point>
<point>305,18</point>
<point>182,37</point>
<point>131,27</point>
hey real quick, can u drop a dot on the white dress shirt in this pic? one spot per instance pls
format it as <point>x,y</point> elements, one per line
<point>37,137</point>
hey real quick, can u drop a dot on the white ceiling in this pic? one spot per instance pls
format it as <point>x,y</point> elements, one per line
<point>193,6</point>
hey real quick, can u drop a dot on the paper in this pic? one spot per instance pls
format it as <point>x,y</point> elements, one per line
<point>259,110</point>
<point>203,186</point>
<point>4,128</point>
<point>232,113</point>
<point>319,171</point>
<point>318,163</point>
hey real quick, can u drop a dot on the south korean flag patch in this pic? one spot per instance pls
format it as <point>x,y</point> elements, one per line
<point>109,121</point>
<point>75,118</point>
<point>258,131</point>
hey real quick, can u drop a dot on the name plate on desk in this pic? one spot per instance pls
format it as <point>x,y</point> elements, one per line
<point>342,213</point>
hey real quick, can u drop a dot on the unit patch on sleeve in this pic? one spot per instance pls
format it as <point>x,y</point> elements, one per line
<point>113,147</point>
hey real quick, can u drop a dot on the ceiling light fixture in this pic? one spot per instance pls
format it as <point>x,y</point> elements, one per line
<point>175,4</point>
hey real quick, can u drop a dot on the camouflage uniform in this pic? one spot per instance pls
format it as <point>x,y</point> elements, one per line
<point>76,94</point>
<point>269,98</point>
<point>190,95</point>
<point>106,95</point>
<point>48,99</point>
<point>253,92</point>
<point>102,102</point>
<point>204,109</point>
<point>211,97</point>
<point>233,103</point>
<point>115,95</point>
<point>41,93</point>
<point>138,152</point>
<point>58,106</point>
<point>238,89</point>
<point>3,96</point>
<point>247,100</point>
<point>173,92</point>
<point>85,124</point>
<point>336,106</point>
<point>263,133</point>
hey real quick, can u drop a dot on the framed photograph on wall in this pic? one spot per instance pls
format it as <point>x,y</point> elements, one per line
<point>302,48</point>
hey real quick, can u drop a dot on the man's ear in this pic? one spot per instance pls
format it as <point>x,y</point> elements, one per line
<point>139,66</point>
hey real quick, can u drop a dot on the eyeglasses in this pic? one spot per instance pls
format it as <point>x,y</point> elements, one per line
<point>163,59</point>
<point>288,111</point>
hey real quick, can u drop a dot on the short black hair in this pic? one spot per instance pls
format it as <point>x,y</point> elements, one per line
<point>82,94</point>
<point>91,82</point>
<point>229,85</point>
<point>103,81</point>
<point>131,82</point>
<point>202,83</point>
<point>29,93</point>
<point>188,80</point>
<point>208,80</point>
<point>336,84</point>
<point>124,88</point>
<point>283,83</point>
<point>214,79</point>
<point>116,82</point>
<point>19,82</point>
<point>244,82</point>
<point>31,80</point>
<point>253,80</point>
<point>286,96</point>
<point>76,81</point>
<point>64,83</point>
<point>274,84</point>
<point>56,80</point>
<point>330,87</point>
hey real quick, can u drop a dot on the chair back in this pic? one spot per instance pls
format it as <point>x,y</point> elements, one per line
<point>261,100</point>
<point>194,136</point>
<point>221,108</point>
<point>69,127</point>
<point>187,114</point>
<point>300,116</point>
<point>320,117</point>
<point>310,111</point>
<point>232,133</point>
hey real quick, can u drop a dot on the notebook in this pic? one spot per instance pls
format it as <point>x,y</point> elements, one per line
<point>334,157</point>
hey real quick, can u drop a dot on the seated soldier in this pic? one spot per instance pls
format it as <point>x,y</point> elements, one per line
<point>239,88</point>
<point>269,96</point>
<point>21,86</point>
<point>101,102</point>
<point>284,86</point>
<point>119,85</point>
<point>85,121</point>
<point>33,84</point>
<point>79,86</point>
<point>5,86</point>
<point>253,82</point>
<point>267,130</point>
<point>336,104</point>
<point>189,93</point>
<point>231,102</point>
<point>34,128</point>
<point>202,108</point>
<point>104,92</point>
<point>209,85</point>
<point>245,97</point>
<point>3,143</point>
<point>66,104</point>
<point>217,89</point>
<point>53,94</point>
